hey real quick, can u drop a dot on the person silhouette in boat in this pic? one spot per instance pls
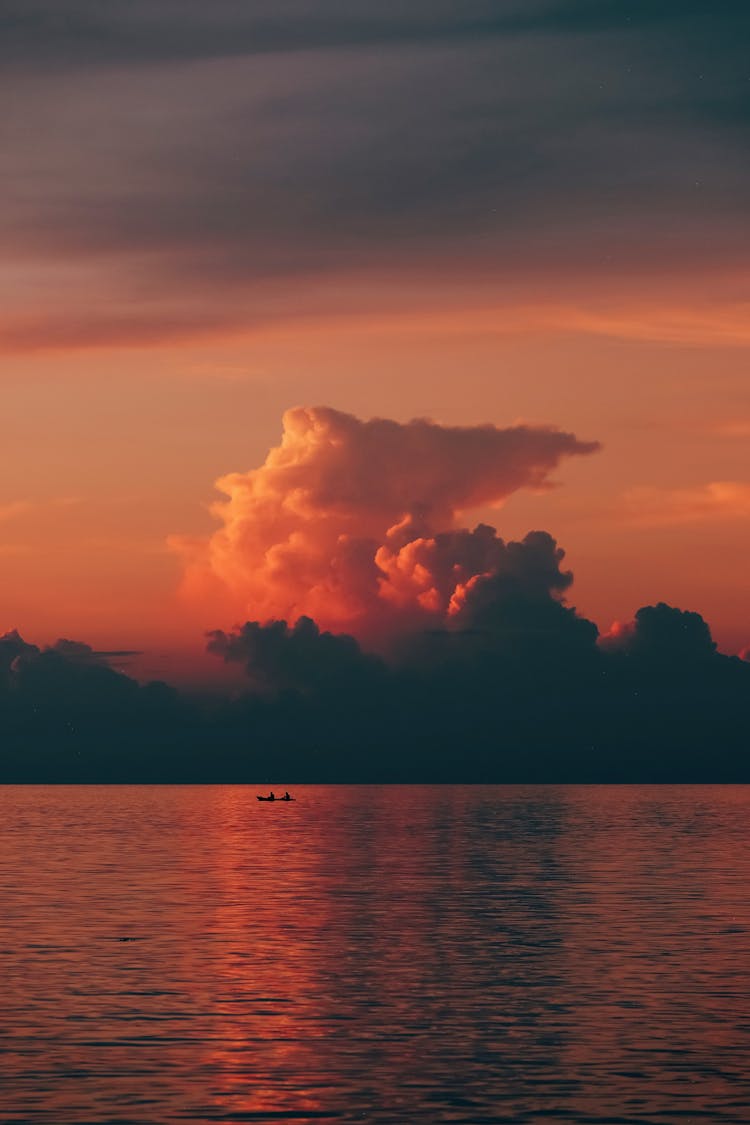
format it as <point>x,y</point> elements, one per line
<point>271,796</point>
<point>286,797</point>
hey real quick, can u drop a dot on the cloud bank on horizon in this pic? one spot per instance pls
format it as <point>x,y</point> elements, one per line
<point>523,693</point>
<point>358,524</point>
<point>488,675</point>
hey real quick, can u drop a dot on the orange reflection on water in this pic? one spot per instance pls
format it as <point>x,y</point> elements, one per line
<point>387,954</point>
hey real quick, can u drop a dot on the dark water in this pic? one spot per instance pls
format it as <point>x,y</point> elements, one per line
<point>436,954</point>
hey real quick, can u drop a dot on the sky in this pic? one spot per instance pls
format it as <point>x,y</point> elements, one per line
<point>232,229</point>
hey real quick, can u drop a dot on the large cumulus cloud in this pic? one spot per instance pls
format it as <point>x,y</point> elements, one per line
<point>357,524</point>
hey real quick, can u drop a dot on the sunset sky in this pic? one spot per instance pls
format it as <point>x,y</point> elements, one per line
<point>492,213</point>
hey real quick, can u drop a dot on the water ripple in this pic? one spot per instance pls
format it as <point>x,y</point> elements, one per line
<point>437,955</point>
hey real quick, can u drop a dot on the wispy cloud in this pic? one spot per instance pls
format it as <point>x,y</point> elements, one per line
<point>736,428</point>
<point>13,509</point>
<point>157,157</point>
<point>717,500</point>
<point>322,309</point>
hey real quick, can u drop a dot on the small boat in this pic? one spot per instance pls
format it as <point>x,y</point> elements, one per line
<point>277,800</point>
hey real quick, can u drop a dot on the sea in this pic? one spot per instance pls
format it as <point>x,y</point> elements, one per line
<point>388,954</point>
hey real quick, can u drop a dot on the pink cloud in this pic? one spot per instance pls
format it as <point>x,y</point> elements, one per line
<point>357,524</point>
<point>717,500</point>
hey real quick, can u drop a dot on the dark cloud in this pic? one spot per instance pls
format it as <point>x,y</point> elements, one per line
<point>484,140</point>
<point>13,646</point>
<point>276,172</point>
<point>79,652</point>
<point>68,677</point>
<point>528,571</point>
<point>487,672</point>
<point>37,31</point>
<point>61,679</point>
<point>516,691</point>
<point>520,604</point>
<point>663,633</point>
<point>508,636</point>
<point>67,715</point>
<point>88,31</point>
<point>280,658</point>
<point>520,694</point>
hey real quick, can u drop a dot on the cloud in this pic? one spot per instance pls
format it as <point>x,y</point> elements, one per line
<point>34,34</point>
<point>66,678</point>
<point>66,714</point>
<point>511,688</point>
<point>521,599</point>
<point>358,524</point>
<point>718,500</point>
<point>13,509</point>
<point>473,579</point>
<point>663,633</point>
<point>736,428</point>
<point>69,673</point>
<point>279,658</point>
<point>149,31</point>
<point>158,161</point>
<point>77,652</point>
<point>86,329</point>
<point>351,536</point>
<point>12,646</point>
<point>720,324</point>
<point>515,691</point>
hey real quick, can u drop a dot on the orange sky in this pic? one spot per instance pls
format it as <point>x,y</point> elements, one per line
<point>109,452</point>
<point>476,213</point>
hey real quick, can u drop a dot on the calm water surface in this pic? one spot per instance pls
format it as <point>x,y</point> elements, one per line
<point>406,954</point>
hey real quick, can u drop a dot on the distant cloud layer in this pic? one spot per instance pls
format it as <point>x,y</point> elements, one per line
<point>518,690</point>
<point>166,164</point>
<point>358,524</point>
<point>717,500</point>
<point>515,689</point>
